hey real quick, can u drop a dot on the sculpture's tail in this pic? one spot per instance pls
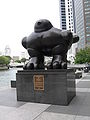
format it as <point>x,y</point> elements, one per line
<point>75,38</point>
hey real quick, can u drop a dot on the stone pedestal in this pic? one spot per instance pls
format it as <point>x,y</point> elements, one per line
<point>46,86</point>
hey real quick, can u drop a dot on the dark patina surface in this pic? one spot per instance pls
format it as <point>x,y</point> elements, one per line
<point>47,40</point>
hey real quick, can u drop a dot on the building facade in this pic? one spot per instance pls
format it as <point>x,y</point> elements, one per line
<point>67,15</point>
<point>82,12</point>
<point>63,24</point>
<point>67,20</point>
<point>0,53</point>
<point>24,54</point>
<point>7,51</point>
<point>15,58</point>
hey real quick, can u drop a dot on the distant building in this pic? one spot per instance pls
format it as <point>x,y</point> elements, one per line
<point>15,58</point>
<point>70,15</point>
<point>67,15</point>
<point>82,12</point>
<point>63,24</point>
<point>0,53</point>
<point>24,55</point>
<point>67,20</point>
<point>7,51</point>
<point>71,23</point>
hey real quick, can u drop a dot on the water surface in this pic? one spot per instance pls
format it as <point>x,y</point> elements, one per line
<point>7,75</point>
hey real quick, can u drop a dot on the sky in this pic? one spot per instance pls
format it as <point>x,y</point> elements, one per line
<point>17,19</point>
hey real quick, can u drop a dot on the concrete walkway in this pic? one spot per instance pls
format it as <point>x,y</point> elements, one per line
<point>78,109</point>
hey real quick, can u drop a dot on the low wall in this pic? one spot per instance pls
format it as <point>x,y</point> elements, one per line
<point>4,68</point>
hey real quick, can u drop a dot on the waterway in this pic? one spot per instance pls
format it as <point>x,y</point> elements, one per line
<point>7,75</point>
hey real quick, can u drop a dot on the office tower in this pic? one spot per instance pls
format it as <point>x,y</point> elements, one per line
<point>67,15</point>
<point>24,54</point>
<point>0,53</point>
<point>70,18</point>
<point>7,51</point>
<point>70,15</point>
<point>15,58</point>
<point>63,25</point>
<point>82,12</point>
<point>67,20</point>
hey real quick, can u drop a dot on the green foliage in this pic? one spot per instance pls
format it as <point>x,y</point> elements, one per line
<point>23,60</point>
<point>4,60</point>
<point>18,61</point>
<point>9,57</point>
<point>83,56</point>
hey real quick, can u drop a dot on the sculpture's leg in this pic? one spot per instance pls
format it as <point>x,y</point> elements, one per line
<point>36,60</point>
<point>35,63</point>
<point>64,61</point>
<point>59,57</point>
<point>56,62</point>
<point>49,65</point>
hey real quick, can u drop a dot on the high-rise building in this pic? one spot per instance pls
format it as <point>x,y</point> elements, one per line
<point>67,20</point>
<point>82,12</point>
<point>15,58</point>
<point>70,15</point>
<point>0,53</point>
<point>24,54</point>
<point>67,15</point>
<point>70,18</point>
<point>63,24</point>
<point>7,51</point>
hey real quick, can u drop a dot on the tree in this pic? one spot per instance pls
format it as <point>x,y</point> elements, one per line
<point>9,57</point>
<point>83,56</point>
<point>18,61</point>
<point>23,60</point>
<point>4,60</point>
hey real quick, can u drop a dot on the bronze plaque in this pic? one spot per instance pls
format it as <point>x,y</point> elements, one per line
<point>38,82</point>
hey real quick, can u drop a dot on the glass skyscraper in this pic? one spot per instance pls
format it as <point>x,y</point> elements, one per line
<point>67,20</point>
<point>62,15</point>
<point>67,13</point>
<point>82,13</point>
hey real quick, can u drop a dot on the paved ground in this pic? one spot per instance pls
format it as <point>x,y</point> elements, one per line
<point>78,109</point>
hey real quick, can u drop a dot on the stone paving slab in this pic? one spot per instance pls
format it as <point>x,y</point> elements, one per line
<point>8,98</point>
<point>82,118</point>
<point>55,116</point>
<point>70,110</point>
<point>4,110</point>
<point>84,111</point>
<point>29,111</point>
<point>83,84</point>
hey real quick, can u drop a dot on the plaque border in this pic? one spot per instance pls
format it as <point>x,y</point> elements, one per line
<point>34,82</point>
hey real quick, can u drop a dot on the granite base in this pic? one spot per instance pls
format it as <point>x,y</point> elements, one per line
<point>59,86</point>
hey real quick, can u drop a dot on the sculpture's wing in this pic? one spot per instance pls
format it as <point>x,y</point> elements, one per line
<point>24,42</point>
<point>75,38</point>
